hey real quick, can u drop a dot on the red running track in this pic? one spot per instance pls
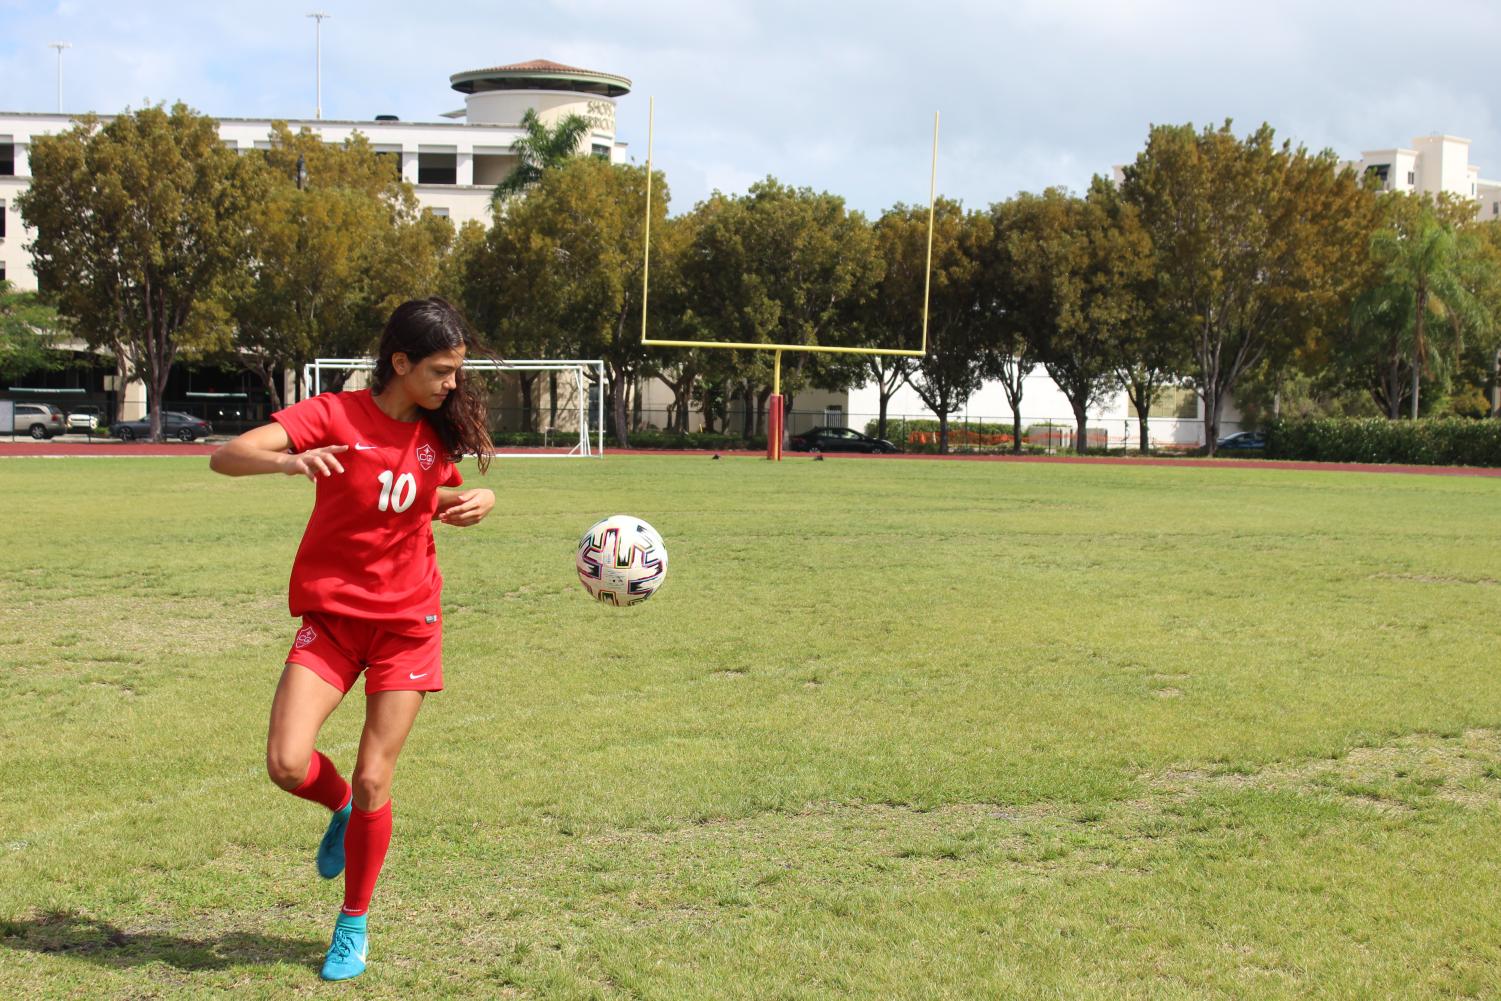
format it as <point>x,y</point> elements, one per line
<point>123,449</point>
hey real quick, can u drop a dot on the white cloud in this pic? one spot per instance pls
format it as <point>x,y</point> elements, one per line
<point>837,95</point>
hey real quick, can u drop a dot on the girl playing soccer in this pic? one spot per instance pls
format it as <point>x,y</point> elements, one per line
<point>366,581</point>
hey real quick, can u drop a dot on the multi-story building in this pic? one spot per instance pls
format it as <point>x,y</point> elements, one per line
<point>453,163</point>
<point>1432,165</point>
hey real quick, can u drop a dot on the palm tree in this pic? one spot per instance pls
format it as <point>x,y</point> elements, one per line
<point>540,149</point>
<point>1423,266</point>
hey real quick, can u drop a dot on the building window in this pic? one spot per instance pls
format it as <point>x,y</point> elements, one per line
<point>2,271</point>
<point>7,159</point>
<point>1495,208</point>
<point>1176,402</point>
<point>1412,178</point>
<point>437,168</point>
<point>600,151</point>
<point>1380,170</point>
<point>2,220</point>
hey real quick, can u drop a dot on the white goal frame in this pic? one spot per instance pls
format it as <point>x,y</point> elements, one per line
<point>581,368</point>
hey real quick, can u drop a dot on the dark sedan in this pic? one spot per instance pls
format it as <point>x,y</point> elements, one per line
<point>839,440</point>
<point>1242,441</point>
<point>183,427</point>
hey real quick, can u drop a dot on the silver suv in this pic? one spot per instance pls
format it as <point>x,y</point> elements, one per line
<point>40,420</point>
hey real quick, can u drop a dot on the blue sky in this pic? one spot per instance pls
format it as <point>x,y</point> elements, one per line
<point>835,95</point>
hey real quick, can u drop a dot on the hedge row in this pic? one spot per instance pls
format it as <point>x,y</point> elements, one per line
<point>1447,441</point>
<point>898,429</point>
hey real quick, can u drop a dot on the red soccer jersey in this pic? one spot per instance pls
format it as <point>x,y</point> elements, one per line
<point>368,549</point>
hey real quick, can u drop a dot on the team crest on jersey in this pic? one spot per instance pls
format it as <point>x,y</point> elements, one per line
<point>425,456</point>
<point>305,635</point>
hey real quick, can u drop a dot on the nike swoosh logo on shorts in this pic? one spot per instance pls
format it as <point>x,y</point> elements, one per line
<point>417,677</point>
<point>360,446</point>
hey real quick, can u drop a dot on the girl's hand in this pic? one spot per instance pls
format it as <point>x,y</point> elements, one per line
<point>315,462</point>
<point>471,507</point>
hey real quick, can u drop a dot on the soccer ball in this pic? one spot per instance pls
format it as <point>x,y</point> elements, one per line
<point>621,560</point>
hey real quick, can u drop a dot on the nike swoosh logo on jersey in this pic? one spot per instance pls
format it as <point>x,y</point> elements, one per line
<point>418,677</point>
<point>360,446</point>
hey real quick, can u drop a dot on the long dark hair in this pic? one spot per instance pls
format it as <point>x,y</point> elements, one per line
<point>418,328</point>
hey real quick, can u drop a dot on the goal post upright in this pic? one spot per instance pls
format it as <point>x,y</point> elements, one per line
<point>775,413</point>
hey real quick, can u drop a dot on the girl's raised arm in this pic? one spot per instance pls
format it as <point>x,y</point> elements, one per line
<point>264,450</point>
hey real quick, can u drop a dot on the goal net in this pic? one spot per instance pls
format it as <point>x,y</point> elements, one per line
<point>576,398</point>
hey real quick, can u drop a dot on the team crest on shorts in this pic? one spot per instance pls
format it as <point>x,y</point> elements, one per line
<point>305,635</point>
<point>425,456</point>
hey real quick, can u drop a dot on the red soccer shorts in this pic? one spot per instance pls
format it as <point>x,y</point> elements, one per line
<point>337,648</point>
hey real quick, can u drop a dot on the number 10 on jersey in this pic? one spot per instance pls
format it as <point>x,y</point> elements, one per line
<point>400,498</point>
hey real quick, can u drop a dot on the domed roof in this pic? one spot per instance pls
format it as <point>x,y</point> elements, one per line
<point>540,74</point>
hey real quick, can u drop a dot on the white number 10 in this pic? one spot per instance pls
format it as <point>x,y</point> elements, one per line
<point>405,493</point>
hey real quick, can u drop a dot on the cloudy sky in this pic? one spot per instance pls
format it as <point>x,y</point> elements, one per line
<point>836,95</point>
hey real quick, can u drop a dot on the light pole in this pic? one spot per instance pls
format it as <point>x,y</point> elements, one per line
<point>59,46</point>
<point>318,17</point>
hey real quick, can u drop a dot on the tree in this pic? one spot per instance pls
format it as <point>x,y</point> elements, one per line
<point>140,223</point>
<point>780,265</point>
<point>570,255</point>
<point>1251,244</point>
<point>334,244</point>
<point>29,329</point>
<point>953,367</point>
<point>1420,304</point>
<point>1485,283</point>
<point>540,149</point>
<point>1078,265</point>
<point>1008,341</point>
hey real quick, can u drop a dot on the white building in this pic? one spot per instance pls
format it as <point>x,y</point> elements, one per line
<point>454,163</point>
<point>1433,164</point>
<point>1176,419</point>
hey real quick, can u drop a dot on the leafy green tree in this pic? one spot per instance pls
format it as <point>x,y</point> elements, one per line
<point>780,265</point>
<point>1421,303</point>
<point>1251,242</point>
<point>571,254</point>
<point>954,365</point>
<point>540,149</point>
<point>140,224</point>
<point>1485,280</point>
<point>333,244</point>
<point>1011,333</point>
<point>29,330</point>
<point>1079,265</point>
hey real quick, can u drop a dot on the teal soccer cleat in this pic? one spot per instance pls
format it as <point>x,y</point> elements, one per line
<point>347,951</point>
<point>331,848</point>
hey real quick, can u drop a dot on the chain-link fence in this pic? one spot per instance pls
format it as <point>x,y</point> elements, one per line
<point>911,433</point>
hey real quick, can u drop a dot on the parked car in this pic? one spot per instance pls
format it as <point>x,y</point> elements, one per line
<point>40,420</point>
<point>839,440</point>
<point>84,417</point>
<point>183,427</point>
<point>1242,441</point>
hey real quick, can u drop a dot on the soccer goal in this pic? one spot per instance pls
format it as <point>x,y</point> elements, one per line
<point>581,391</point>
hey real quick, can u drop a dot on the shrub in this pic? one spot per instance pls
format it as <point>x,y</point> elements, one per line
<point>1443,441</point>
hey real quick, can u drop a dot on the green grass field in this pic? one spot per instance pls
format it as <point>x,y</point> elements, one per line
<point>891,729</point>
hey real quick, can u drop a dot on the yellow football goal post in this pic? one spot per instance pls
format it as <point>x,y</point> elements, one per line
<point>775,416</point>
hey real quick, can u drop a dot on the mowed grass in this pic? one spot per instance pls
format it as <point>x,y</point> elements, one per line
<point>891,729</point>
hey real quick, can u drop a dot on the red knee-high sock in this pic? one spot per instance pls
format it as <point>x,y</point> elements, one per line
<point>324,784</point>
<point>365,843</point>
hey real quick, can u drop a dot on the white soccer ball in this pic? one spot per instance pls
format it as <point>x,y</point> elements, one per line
<point>621,560</point>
